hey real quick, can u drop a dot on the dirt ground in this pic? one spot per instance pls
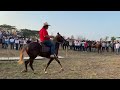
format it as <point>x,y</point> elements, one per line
<point>77,65</point>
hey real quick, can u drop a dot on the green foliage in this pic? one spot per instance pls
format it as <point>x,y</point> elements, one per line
<point>106,38</point>
<point>29,33</point>
<point>113,38</point>
<point>8,27</point>
<point>23,32</point>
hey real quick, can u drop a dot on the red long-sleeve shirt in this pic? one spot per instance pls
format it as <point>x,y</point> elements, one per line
<point>42,33</point>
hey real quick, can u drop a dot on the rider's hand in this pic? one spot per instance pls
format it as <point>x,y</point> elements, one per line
<point>51,36</point>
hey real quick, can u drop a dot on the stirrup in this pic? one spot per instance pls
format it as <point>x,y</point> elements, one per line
<point>52,56</point>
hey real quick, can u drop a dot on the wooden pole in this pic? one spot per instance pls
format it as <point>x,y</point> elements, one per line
<point>66,52</point>
<point>8,51</point>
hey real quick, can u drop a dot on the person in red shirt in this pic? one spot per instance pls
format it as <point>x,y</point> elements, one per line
<point>86,45</point>
<point>45,38</point>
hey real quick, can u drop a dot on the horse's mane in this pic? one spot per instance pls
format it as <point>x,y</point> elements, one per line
<point>55,39</point>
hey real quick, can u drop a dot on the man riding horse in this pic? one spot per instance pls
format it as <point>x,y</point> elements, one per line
<point>47,48</point>
<point>45,39</point>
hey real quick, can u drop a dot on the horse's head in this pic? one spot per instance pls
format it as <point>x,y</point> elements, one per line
<point>59,38</point>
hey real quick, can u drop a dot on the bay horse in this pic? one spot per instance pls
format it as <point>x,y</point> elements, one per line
<point>35,49</point>
<point>97,45</point>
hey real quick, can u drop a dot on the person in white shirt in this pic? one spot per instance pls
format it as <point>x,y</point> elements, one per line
<point>75,43</point>
<point>70,44</point>
<point>78,45</point>
<point>117,46</point>
<point>107,46</point>
<point>0,37</point>
<point>17,43</point>
<point>12,41</point>
<point>103,46</point>
<point>83,45</point>
<point>24,42</point>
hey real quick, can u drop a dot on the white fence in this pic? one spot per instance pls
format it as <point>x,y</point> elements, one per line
<point>17,58</point>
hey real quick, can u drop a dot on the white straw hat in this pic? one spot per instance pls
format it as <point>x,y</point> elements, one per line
<point>46,24</point>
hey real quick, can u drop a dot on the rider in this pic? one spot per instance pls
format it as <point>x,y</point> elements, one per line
<point>45,38</point>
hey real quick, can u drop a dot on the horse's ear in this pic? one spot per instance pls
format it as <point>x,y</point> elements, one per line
<point>58,33</point>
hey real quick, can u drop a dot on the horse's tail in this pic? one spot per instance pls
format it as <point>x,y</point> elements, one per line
<point>21,55</point>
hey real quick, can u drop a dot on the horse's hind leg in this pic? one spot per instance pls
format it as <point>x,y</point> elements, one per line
<point>51,59</point>
<point>59,63</point>
<point>31,64</point>
<point>26,63</point>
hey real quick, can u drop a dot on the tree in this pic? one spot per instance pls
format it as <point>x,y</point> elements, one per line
<point>101,39</point>
<point>113,38</point>
<point>79,37</point>
<point>7,27</point>
<point>29,33</point>
<point>84,38</point>
<point>106,38</point>
<point>117,37</point>
<point>72,37</point>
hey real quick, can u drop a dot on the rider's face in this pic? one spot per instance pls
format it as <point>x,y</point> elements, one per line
<point>46,27</point>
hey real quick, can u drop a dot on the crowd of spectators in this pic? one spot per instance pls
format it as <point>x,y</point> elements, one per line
<point>12,40</point>
<point>86,45</point>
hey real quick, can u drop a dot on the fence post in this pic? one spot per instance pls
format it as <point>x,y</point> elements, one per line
<point>8,51</point>
<point>66,52</point>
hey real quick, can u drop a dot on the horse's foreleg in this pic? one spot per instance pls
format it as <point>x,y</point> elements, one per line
<point>98,50</point>
<point>59,63</point>
<point>51,59</point>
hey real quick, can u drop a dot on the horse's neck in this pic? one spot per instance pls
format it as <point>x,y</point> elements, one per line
<point>55,39</point>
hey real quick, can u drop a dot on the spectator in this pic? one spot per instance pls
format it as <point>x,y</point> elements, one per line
<point>112,44</point>
<point>6,42</point>
<point>103,46</point>
<point>117,46</point>
<point>0,36</point>
<point>75,43</point>
<point>83,45</point>
<point>78,45</point>
<point>86,45</point>
<point>24,42</point>
<point>3,42</point>
<point>21,43</point>
<point>70,44</point>
<point>16,43</point>
<point>12,41</point>
<point>107,46</point>
<point>28,41</point>
<point>89,45</point>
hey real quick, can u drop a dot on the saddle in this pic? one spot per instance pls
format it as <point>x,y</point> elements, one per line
<point>44,48</point>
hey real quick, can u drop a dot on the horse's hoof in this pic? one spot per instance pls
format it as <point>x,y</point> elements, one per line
<point>24,71</point>
<point>34,73</point>
<point>62,69</point>
<point>45,72</point>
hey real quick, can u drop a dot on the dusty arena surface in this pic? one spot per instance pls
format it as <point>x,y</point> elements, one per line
<point>77,65</point>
